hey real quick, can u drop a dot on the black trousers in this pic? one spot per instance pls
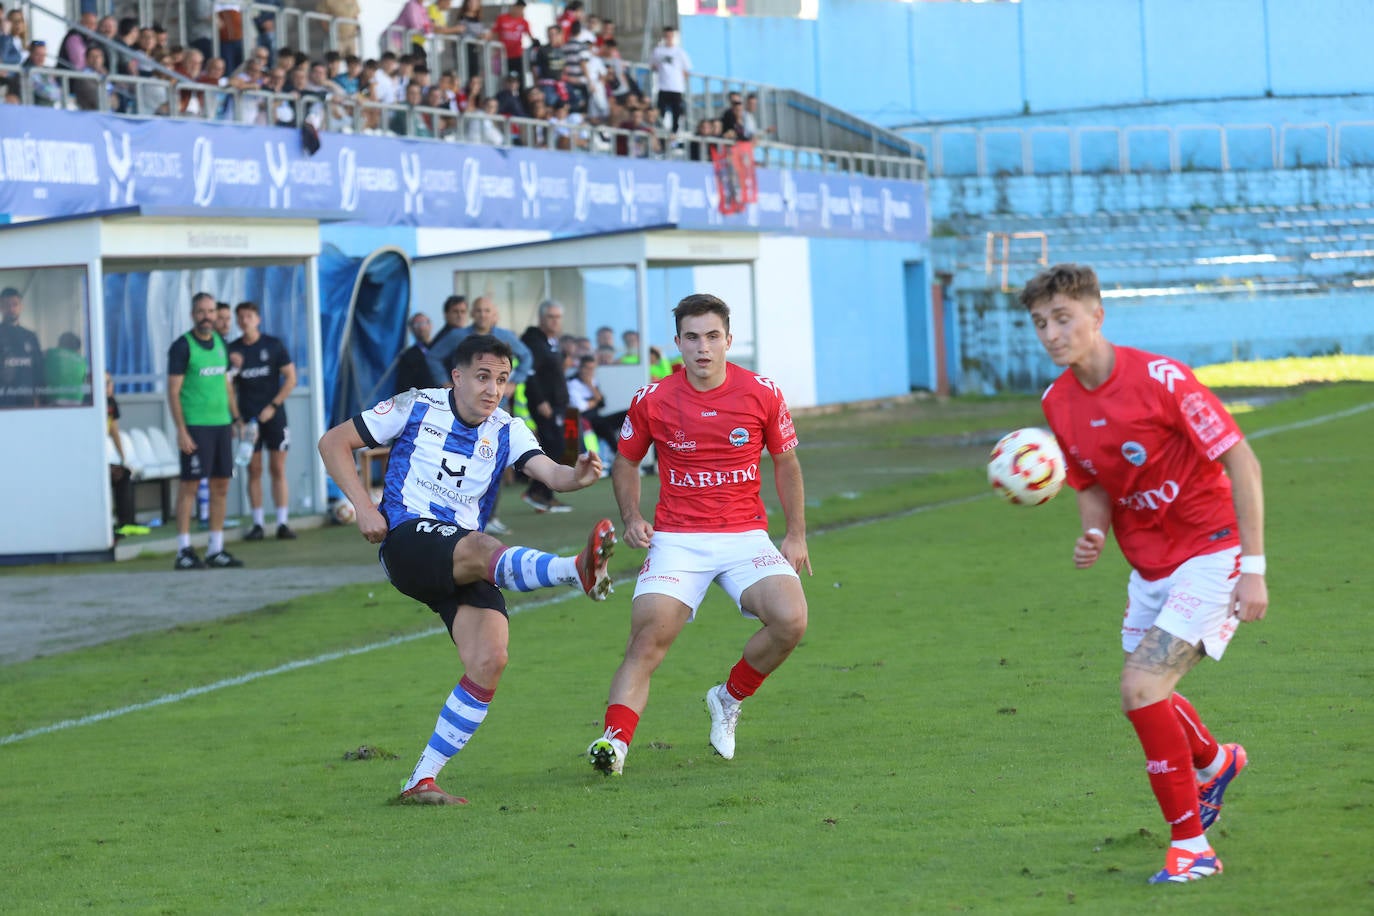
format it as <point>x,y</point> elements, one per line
<point>549,432</point>
<point>670,103</point>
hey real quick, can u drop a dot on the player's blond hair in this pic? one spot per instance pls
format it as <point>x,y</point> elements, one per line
<point>1076,281</point>
<point>701,304</point>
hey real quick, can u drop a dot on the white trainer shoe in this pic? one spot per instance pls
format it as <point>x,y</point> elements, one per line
<point>607,753</point>
<point>724,710</point>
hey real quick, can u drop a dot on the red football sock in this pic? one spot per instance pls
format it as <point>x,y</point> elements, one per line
<point>744,679</point>
<point>1200,740</point>
<point>1168,761</point>
<point>623,720</point>
<point>478,692</point>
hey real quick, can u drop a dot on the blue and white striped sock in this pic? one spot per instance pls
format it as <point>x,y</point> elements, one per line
<point>464,710</point>
<point>523,569</point>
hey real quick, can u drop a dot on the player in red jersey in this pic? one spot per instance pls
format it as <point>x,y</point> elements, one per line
<point>709,425</point>
<point>1147,444</point>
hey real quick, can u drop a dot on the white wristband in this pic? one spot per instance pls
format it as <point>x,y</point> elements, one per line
<point>1253,565</point>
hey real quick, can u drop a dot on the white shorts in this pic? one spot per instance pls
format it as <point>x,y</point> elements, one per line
<point>1193,604</point>
<point>683,565</point>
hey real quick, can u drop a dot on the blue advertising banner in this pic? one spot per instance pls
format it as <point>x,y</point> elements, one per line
<point>57,163</point>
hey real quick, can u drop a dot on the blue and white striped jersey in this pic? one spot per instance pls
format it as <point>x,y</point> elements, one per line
<point>440,467</point>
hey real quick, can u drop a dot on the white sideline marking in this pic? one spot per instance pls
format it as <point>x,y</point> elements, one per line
<point>250,677</point>
<point>1303,424</point>
<point>398,640</point>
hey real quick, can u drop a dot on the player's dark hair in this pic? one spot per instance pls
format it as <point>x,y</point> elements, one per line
<point>198,297</point>
<point>701,304</point>
<point>1073,280</point>
<point>475,345</point>
<point>10,291</point>
<point>247,307</point>
<point>451,301</point>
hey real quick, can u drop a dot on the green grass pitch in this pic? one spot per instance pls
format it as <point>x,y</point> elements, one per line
<point>946,739</point>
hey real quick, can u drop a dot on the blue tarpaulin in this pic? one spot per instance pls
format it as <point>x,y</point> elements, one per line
<point>363,310</point>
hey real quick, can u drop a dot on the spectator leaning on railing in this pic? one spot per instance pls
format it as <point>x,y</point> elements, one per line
<point>46,90</point>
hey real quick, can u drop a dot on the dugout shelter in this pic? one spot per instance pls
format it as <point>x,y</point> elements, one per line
<point>118,285</point>
<point>627,280</point>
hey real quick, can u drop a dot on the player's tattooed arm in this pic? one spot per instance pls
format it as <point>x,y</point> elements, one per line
<point>1161,653</point>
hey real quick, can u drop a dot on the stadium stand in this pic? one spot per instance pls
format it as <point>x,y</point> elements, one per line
<point>300,67</point>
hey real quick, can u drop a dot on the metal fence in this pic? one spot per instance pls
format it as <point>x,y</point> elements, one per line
<point>1098,149</point>
<point>151,96</point>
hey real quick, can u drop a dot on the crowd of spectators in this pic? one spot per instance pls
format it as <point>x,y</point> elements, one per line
<point>571,90</point>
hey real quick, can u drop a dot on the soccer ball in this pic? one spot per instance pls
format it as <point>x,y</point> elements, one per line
<point>344,513</point>
<point>1027,467</point>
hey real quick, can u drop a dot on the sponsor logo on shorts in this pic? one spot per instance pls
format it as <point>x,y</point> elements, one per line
<point>1134,452</point>
<point>673,579</point>
<point>739,436</point>
<point>769,559</point>
<point>645,568</point>
<point>1227,630</point>
<point>1184,605</point>
<point>442,530</point>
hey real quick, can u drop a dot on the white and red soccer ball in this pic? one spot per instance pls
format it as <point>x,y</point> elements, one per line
<point>344,512</point>
<point>1026,467</point>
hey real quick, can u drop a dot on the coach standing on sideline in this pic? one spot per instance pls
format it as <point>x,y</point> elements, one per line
<point>201,398</point>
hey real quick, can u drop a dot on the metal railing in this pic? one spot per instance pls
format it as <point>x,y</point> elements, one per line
<point>792,117</point>
<point>145,96</point>
<point>465,55</point>
<point>1099,149</point>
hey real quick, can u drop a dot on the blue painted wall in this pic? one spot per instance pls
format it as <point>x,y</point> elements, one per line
<point>902,62</point>
<point>858,304</point>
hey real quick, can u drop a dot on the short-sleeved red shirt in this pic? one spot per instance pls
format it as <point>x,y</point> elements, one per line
<point>509,30</point>
<point>1150,436</point>
<point>708,446</point>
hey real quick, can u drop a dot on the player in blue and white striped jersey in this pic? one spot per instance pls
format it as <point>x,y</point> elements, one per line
<point>448,451</point>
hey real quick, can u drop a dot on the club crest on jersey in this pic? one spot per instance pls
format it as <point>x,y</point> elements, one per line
<point>1134,452</point>
<point>485,450</point>
<point>627,431</point>
<point>739,436</point>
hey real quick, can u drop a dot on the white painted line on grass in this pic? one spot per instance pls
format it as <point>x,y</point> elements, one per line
<point>409,637</point>
<point>1303,424</point>
<point>250,677</point>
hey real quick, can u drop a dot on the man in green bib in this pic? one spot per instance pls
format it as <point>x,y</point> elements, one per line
<point>201,397</point>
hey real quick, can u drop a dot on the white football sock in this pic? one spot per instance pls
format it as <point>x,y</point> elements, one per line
<point>1209,772</point>
<point>257,516</point>
<point>1194,843</point>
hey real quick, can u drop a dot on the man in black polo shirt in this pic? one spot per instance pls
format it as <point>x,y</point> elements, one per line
<point>21,358</point>
<point>263,378</point>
